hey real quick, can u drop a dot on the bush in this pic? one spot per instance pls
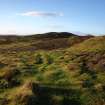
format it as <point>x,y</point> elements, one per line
<point>9,74</point>
<point>38,59</point>
<point>29,70</point>
<point>71,101</point>
<point>47,59</point>
<point>3,84</point>
<point>24,95</point>
<point>14,82</point>
<point>57,77</point>
<point>56,100</point>
<point>88,83</point>
<point>39,77</point>
<point>2,65</point>
<point>3,101</point>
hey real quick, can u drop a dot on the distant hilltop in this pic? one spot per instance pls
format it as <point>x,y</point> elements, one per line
<point>47,41</point>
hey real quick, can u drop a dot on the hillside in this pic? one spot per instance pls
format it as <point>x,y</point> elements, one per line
<point>52,69</point>
<point>48,41</point>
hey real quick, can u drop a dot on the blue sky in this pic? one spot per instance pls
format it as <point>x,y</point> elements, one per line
<point>39,16</point>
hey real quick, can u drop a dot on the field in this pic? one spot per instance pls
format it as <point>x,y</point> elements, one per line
<point>52,69</point>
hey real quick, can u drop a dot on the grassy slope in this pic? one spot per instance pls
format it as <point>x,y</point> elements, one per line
<point>69,61</point>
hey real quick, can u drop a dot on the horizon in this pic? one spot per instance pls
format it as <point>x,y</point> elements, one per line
<point>27,17</point>
<point>75,33</point>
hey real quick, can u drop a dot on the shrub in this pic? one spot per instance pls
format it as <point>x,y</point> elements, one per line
<point>88,83</point>
<point>3,84</point>
<point>38,59</point>
<point>56,100</point>
<point>14,82</point>
<point>9,74</point>
<point>39,77</point>
<point>25,96</point>
<point>4,101</point>
<point>47,59</point>
<point>29,70</point>
<point>57,76</point>
<point>2,65</point>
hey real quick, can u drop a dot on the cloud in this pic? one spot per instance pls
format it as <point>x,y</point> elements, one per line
<point>38,13</point>
<point>55,26</point>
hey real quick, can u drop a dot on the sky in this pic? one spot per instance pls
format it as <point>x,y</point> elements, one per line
<point>40,16</point>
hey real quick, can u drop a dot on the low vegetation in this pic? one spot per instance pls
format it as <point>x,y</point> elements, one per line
<point>52,69</point>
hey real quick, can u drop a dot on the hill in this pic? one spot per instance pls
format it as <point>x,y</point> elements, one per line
<point>47,41</point>
<point>52,69</point>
